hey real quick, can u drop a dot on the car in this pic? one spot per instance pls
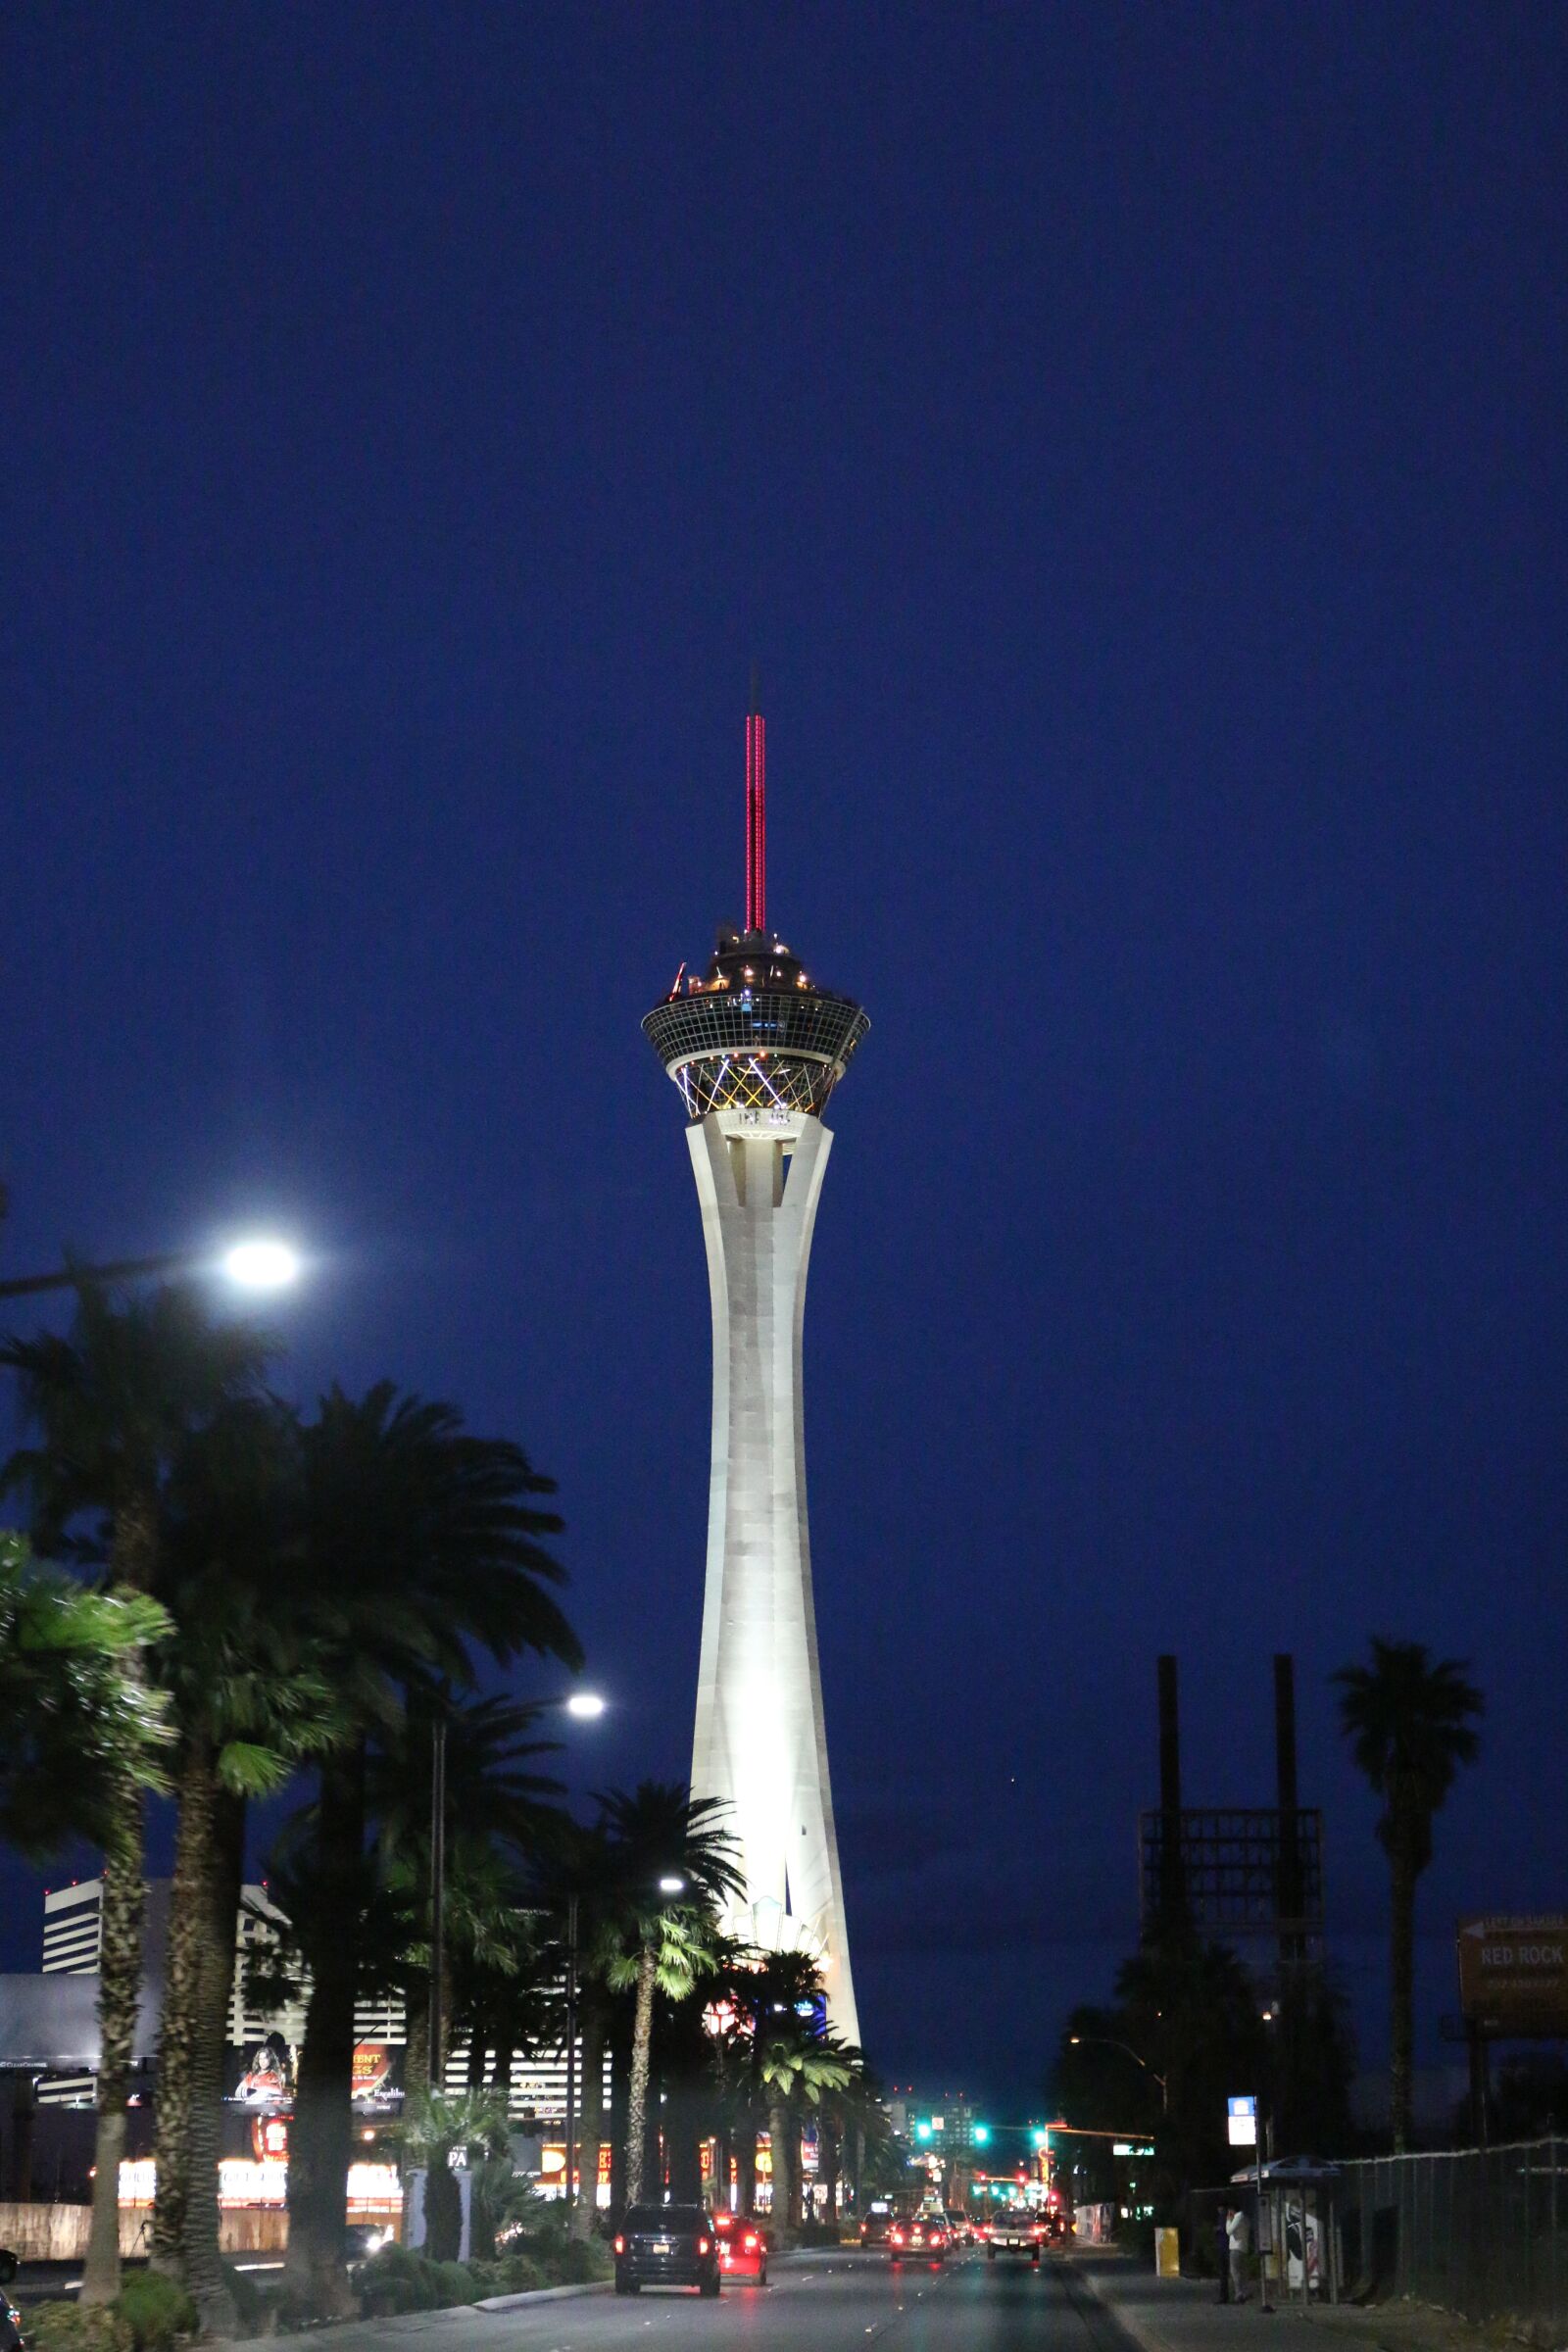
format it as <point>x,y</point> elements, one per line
<point>881,2216</point>
<point>1016,2232</point>
<point>668,2245</point>
<point>925,2238</point>
<point>742,2246</point>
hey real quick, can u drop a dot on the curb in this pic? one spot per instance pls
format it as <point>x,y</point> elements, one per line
<point>539,2294</point>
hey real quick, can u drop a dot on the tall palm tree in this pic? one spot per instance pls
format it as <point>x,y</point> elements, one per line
<point>798,2066</point>
<point>762,1989</point>
<point>1410,1725</point>
<point>252,1702</point>
<point>665,1937</point>
<point>112,1403</point>
<point>845,2110</point>
<point>75,1721</point>
<point>419,1540</point>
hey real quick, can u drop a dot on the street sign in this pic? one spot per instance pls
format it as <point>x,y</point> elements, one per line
<point>1513,1973</point>
<point>1241,2123</point>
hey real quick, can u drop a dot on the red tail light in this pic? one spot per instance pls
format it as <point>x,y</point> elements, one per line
<point>748,2243</point>
<point>620,2245</point>
<point>705,2245</point>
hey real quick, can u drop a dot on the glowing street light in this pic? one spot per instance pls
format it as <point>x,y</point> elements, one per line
<point>262,1263</point>
<point>258,1262</point>
<point>586,1706</point>
<point>671,1884</point>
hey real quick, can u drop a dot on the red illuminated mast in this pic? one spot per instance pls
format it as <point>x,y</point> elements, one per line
<point>755,817</point>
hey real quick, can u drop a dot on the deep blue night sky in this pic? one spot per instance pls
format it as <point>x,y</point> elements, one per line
<point>1131,442</point>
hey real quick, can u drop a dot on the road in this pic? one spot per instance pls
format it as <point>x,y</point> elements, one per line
<point>834,2302</point>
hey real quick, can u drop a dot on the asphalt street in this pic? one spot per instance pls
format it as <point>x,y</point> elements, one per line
<point>838,2302</point>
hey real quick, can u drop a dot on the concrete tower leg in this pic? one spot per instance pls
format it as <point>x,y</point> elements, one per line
<point>760,1744</point>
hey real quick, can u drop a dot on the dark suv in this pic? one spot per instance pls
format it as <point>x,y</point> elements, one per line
<point>666,2245</point>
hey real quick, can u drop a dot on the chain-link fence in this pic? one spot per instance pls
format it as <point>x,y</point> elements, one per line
<point>1483,2232</point>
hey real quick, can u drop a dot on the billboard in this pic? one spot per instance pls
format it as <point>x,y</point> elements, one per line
<point>1513,1973</point>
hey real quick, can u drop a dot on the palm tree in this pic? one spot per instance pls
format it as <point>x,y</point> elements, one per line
<point>251,1703</point>
<point>762,1989</point>
<point>111,1404</point>
<point>75,1720</point>
<point>1409,1723</point>
<point>845,2110</point>
<point>666,1932</point>
<point>418,1541</point>
<point>798,2067</point>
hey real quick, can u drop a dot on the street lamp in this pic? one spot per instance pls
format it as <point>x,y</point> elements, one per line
<point>1108,2041</point>
<point>260,1263</point>
<point>671,1884</point>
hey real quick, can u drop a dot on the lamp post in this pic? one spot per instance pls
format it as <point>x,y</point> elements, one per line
<point>584,1707</point>
<point>1108,2041</point>
<point>260,1263</point>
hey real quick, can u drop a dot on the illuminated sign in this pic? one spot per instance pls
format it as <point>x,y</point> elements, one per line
<point>1241,2123</point>
<point>1132,2147</point>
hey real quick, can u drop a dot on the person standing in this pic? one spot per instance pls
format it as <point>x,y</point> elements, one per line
<point>1239,2238</point>
<point>1222,2250</point>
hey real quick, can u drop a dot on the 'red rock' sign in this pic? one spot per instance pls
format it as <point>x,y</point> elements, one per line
<point>1513,1973</point>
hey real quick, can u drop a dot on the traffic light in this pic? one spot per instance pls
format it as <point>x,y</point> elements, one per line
<point>982,2134</point>
<point>1043,2141</point>
<point>922,2131</point>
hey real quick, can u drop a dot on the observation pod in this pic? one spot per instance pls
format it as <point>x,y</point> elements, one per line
<point>755,1049</point>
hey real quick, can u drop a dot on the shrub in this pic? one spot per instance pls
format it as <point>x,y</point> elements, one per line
<point>519,2274</point>
<point>157,2310</point>
<point>249,2307</point>
<point>455,2282</point>
<point>397,2279</point>
<point>76,2327</point>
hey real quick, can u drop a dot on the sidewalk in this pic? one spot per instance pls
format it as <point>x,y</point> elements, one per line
<point>1186,2315</point>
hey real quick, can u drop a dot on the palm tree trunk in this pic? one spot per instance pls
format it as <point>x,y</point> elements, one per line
<point>746,2163</point>
<point>204,2276</point>
<point>417,2038</point>
<point>591,2127</point>
<point>1401,1991</point>
<point>122,1915</point>
<point>786,2194</point>
<point>641,2053</point>
<point>829,2143</point>
<point>189,1896</point>
<point>320,2142</point>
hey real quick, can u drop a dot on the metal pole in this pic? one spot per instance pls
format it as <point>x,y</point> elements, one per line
<point>121,1269</point>
<point>1257,2150</point>
<point>571,2047</point>
<point>438,1896</point>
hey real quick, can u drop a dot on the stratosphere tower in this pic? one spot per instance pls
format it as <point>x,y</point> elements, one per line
<point>756,1049</point>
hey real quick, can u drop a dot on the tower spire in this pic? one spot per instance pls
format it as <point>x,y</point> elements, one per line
<point>756,815</point>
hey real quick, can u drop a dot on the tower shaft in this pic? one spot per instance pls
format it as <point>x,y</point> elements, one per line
<point>761,1744</point>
